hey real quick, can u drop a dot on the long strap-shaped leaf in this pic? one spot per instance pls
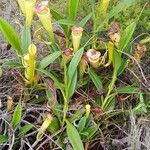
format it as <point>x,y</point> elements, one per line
<point>49,59</point>
<point>3,139</point>
<point>72,9</point>
<point>25,38</point>
<point>57,83</point>
<point>11,36</point>
<point>16,119</point>
<point>127,34</point>
<point>121,6</point>
<point>96,79</point>
<point>72,74</point>
<point>74,137</point>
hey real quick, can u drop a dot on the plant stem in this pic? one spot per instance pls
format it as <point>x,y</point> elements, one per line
<point>111,85</point>
<point>65,108</point>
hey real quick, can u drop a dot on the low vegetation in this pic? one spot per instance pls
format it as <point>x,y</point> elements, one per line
<point>82,76</point>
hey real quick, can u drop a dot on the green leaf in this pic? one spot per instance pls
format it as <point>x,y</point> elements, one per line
<point>57,110</point>
<point>125,62</point>
<point>49,59</point>
<point>116,65</point>
<point>25,129</point>
<point>142,101</point>
<point>11,36</point>
<point>17,115</point>
<point>81,124</point>
<point>83,22</point>
<point>92,130</point>
<point>71,74</point>
<point>72,9</point>
<point>76,115</point>
<point>74,137</point>
<point>3,139</point>
<point>96,79</point>
<point>74,63</point>
<point>141,107</point>
<point>123,5</point>
<point>128,90</point>
<point>25,38</point>
<point>123,66</point>
<point>126,36</point>
<point>12,64</point>
<point>110,104</point>
<point>57,83</point>
<point>54,126</point>
<point>54,47</point>
<point>147,12</point>
<point>116,61</point>
<point>73,84</point>
<point>56,15</point>
<point>66,22</point>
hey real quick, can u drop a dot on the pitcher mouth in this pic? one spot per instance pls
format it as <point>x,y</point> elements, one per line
<point>93,55</point>
<point>42,8</point>
<point>45,11</point>
<point>77,31</point>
